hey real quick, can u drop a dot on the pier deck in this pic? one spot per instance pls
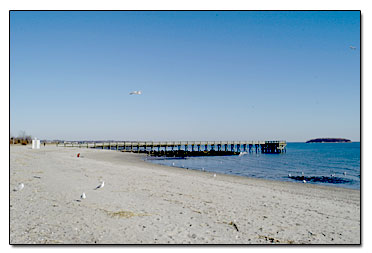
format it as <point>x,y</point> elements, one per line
<point>186,146</point>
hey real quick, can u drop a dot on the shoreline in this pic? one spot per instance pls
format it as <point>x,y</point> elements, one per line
<point>146,203</point>
<point>255,178</point>
<point>252,178</point>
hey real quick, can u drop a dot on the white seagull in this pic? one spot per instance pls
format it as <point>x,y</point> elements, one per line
<point>100,185</point>
<point>304,181</point>
<point>19,187</point>
<point>214,175</point>
<point>135,92</point>
<point>352,48</point>
<point>83,196</point>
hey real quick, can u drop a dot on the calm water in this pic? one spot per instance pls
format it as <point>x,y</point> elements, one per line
<point>333,164</point>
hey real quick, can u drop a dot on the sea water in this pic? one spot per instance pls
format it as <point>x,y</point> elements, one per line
<point>332,164</point>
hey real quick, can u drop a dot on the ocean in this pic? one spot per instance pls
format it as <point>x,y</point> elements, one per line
<point>331,164</point>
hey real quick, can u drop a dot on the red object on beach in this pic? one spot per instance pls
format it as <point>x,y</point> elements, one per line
<point>78,155</point>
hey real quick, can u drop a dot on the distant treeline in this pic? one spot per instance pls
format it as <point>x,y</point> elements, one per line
<point>20,140</point>
<point>320,140</point>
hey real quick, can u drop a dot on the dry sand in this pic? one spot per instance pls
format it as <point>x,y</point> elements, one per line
<point>143,203</point>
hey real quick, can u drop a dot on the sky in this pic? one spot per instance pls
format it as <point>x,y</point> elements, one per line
<point>216,75</point>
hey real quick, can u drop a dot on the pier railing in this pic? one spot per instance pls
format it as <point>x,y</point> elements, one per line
<point>199,146</point>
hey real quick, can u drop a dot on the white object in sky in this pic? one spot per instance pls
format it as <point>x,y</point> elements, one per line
<point>35,144</point>
<point>100,185</point>
<point>83,196</point>
<point>19,187</point>
<point>135,92</point>
<point>353,48</point>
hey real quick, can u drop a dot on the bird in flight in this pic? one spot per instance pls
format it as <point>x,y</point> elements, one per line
<point>135,92</point>
<point>352,48</point>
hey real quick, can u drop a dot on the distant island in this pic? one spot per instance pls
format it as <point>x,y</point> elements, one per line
<point>332,140</point>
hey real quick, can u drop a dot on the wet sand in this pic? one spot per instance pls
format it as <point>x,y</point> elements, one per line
<point>143,203</point>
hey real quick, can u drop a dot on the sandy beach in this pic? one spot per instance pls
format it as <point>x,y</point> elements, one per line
<point>143,203</point>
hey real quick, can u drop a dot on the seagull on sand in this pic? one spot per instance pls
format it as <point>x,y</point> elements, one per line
<point>100,185</point>
<point>83,196</point>
<point>304,181</point>
<point>214,175</point>
<point>19,187</point>
<point>135,92</point>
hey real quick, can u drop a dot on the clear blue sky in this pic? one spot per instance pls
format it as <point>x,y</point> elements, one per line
<point>204,75</point>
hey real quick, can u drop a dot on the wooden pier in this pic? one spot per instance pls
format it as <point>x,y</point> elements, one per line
<point>192,147</point>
